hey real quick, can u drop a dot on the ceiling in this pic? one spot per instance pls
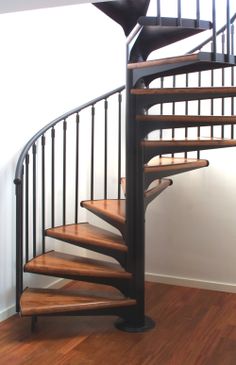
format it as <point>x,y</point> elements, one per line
<point>7,6</point>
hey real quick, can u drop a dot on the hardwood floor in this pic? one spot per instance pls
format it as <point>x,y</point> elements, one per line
<point>193,327</point>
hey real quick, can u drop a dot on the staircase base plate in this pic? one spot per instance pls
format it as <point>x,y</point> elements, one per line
<point>125,325</point>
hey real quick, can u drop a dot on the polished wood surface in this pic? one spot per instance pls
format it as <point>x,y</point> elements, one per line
<point>59,264</point>
<point>157,187</point>
<point>186,90</point>
<point>188,119</point>
<point>45,301</point>
<point>113,209</point>
<point>163,61</point>
<point>173,164</point>
<point>89,235</point>
<point>198,142</point>
<point>193,327</point>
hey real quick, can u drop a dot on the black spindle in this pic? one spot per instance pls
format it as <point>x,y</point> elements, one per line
<point>232,78</point>
<point>228,30</point>
<point>53,177</point>
<point>159,11</point>
<point>212,102</point>
<point>105,148</point>
<point>27,208</point>
<point>199,109</point>
<point>119,143</point>
<point>179,13</point>
<point>186,113</point>
<point>198,13</point>
<point>92,153</point>
<point>77,168</point>
<point>214,29</point>
<point>43,192</point>
<point>34,200</point>
<point>64,173</point>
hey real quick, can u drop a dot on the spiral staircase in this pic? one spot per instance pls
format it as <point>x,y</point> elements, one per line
<point>149,164</point>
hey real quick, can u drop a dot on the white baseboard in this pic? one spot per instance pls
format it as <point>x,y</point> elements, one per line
<point>10,311</point>
<point>190,282</point>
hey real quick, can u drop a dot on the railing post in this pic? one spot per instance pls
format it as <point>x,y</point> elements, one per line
<point>228,30</point>
<point>19,242</point>
<point>179,13</point>
<point>214,30</point>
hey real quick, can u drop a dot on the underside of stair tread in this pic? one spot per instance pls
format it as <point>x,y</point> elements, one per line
<point>150,97</point>
<point>157,187</point>
<point>63,265</point>
<point>49,301</point>
<point>198,142</point>
<point>173,163</point>
<point>89,235</point>
<point>159,32</point>
<point>113,209</point>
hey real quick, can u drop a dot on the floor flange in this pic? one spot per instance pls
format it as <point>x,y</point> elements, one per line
<point>127,326</point>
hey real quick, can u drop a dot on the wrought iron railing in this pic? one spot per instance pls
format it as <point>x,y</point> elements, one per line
<point>55,165</point>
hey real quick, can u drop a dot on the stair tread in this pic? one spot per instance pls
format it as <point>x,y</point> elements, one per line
<point>58,263</point>
<point>49,301</point>
<point>190,142</point>
<point>165,163</point>
<point>88,234</point>
<point>114,209</point>
<point>163,61</point>
<point>221,119</point>
<point>185,90</point>
<point>173,22</point>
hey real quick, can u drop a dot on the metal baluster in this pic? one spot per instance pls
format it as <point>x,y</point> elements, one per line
<point>27,208</point>
<point>161,106</point>
<point>77,168</point>
<point>92,153</point>
<point>186,113</point>
<point>159,12</point>
<point>198,13</point>
<point>199,110</point>
<point>212,102</point>
<point>223,84</point>
<point>64,174</point>
<point>232,78</point>
<point>173,112</point>
<point>53,177</point>
<point>43,192</point>
<point>19,242</point>
<point>179,14</point>
<point>214,50</point>
<point>228,30</point>
<point>119,143</point>
<point>34,150</point>
<point>105,148</point>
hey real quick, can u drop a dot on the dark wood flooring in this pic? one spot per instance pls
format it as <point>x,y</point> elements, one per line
<point>193,327</point>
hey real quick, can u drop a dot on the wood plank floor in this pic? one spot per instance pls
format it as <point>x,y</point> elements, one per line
<point>194,327</point>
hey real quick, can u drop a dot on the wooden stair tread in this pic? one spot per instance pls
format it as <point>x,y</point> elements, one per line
<point>88,234</point>
<point>227,91</point>
<point>173,22</point>
<point>188,119</point>
<point>113,209</point>
<point>163,61</point>
<point>49,301</point>
<point>198,142</point>
<point>61,264</point>
<point>173,163</point>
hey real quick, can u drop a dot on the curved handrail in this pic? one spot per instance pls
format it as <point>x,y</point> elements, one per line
<point>18,172</point>
<point>210,38</point>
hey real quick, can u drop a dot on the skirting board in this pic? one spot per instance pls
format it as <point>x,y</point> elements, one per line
<point>190,282</point>
<point>10,311</point>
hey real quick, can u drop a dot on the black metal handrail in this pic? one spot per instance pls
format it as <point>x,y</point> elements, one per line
<point>30,143</point>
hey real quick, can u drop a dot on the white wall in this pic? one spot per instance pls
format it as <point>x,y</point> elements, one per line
<point>51,61</point>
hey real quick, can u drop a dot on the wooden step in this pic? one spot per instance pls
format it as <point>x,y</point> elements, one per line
<point>153,148</point>
<point>150,123</point>
<point>150,70</point>
<point>160,167</point>
<point>90,237</point>
<point>150,97</point>
<point>159,32</point>
<point>112,211</point>
<point>156,189</point>
<point>73,267</point>
<point>64,301</point>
